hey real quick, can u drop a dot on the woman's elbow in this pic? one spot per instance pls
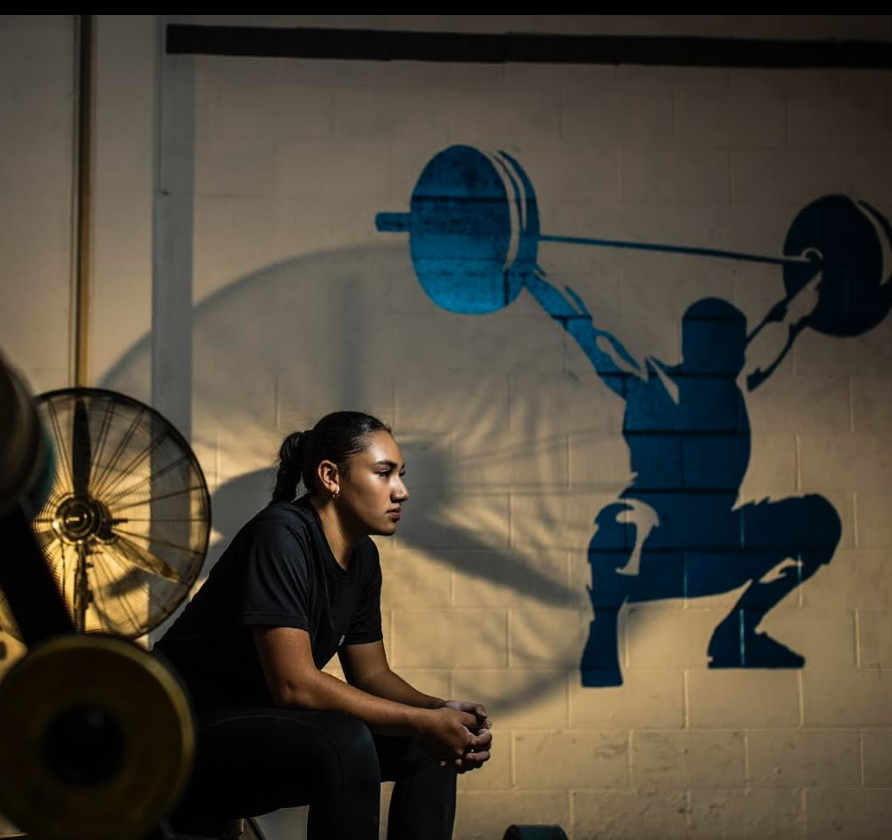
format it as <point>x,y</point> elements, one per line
<point>292,694</point>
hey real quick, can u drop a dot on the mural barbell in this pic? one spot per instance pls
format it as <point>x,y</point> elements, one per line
<point>474,233</point>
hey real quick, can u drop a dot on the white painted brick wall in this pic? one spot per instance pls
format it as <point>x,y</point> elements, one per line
<point>804,758</point>
<point>513,443</point>
<point>36,125</point>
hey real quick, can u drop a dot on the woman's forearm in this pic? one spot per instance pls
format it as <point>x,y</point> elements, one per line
<point>444,732</point>
<point>386,684</point>
<point>382,713</point>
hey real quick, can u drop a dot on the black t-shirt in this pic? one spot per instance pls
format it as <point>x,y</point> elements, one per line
<point>278,571</point>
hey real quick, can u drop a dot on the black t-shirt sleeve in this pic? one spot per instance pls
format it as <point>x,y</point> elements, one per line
<point>366,624</point>
<point>274,590</point>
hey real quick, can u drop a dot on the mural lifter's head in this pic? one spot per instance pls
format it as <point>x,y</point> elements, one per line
<point>713,337</point>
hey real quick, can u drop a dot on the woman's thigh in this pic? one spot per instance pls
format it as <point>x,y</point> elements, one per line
<point>252,761</point>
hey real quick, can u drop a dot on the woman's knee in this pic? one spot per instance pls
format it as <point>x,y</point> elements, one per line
<point>353,742</point>
<point>350,733</point>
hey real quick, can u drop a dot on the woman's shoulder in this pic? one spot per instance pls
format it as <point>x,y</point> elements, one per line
<point>370,562</point>
<point>368,547</point>
<point>286,518</point>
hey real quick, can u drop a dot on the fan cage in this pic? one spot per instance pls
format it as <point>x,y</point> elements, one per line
<point>126,524</point>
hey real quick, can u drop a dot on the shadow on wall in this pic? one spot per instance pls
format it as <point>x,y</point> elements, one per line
<point>266,364</point>
<point>676,530</point>
<point>504,569</point>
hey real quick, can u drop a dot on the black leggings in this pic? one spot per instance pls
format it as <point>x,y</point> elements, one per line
<point>251,761</point>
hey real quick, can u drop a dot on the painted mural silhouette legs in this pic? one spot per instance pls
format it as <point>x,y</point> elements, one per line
<point>772,547</point>
<point>736,643</point>
<point>805,530</point>
<point>609,550</point>
<point>600,667</point>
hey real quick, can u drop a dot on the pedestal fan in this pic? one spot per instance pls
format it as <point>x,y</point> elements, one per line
<point>126,523</point>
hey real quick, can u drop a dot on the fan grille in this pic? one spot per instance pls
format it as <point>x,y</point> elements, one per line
<point>125,527</point>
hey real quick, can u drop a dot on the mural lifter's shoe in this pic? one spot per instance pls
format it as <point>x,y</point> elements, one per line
<point>759,650</point>
<point>601,679</point>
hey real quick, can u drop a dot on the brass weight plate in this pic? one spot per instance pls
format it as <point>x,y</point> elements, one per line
<point>144,774</point>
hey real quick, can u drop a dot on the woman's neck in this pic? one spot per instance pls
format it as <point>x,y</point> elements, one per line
<point>337,534</point>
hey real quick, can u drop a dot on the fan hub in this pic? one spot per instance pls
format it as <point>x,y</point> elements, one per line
<point>77,520</point>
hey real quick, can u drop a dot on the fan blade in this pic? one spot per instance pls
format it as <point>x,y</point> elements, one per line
<point>144,559</point>
<point>81,450</point>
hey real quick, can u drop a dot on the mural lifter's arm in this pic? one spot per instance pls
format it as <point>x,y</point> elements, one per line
<point>793,313</point>
<point>571,313</point>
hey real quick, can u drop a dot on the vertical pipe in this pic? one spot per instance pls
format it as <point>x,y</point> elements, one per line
<point>81,199</point>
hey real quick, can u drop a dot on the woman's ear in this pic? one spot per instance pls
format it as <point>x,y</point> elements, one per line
<point>329,478</point>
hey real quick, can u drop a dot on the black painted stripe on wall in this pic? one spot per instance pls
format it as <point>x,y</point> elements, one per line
<point>378,45</point>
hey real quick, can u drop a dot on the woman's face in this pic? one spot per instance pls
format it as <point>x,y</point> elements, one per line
<point>373,490</point>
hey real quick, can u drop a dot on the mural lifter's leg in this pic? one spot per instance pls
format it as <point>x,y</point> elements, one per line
<point>609,550</point>
<point>811,522</point>
<point>600,667</point>
<point>735,642</point>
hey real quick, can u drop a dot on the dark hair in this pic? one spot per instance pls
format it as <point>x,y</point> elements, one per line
<point>336,437</point>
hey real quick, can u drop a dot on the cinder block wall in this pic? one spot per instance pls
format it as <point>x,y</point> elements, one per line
<point>36,127</point>
<point>512,441</point>
<point>36,89</point>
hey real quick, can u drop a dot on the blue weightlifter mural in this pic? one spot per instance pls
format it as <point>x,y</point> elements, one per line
<point>676,530</point>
